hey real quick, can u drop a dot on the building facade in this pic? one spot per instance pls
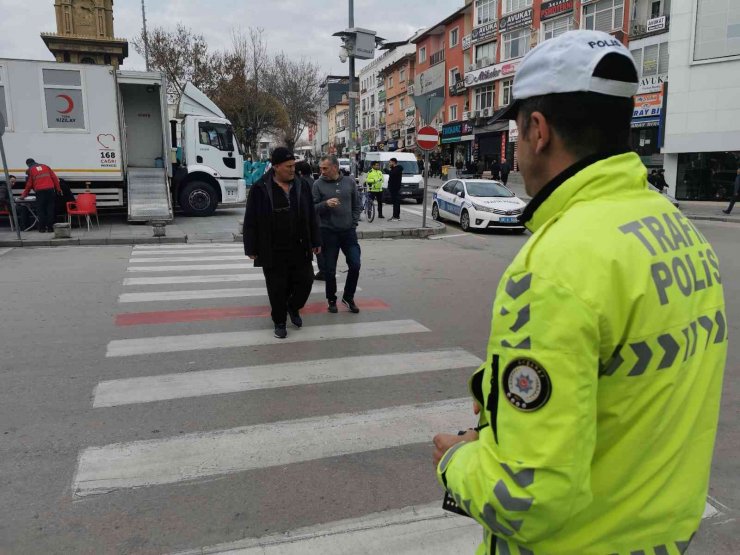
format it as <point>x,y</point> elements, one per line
<point>333,89</point>
<point>396,78</point>
<point>85,34</point>
<point>702,130</point>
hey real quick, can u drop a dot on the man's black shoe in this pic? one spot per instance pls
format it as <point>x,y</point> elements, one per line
<point>281,331</point>
<point>295,317</point>
<point>726,211</point>
<point>350,303</point>
<point>319,276</point>
<point>333,307</point>
<point>381,216</point>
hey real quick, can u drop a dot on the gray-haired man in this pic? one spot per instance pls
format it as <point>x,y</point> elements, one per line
<point>338,205</point>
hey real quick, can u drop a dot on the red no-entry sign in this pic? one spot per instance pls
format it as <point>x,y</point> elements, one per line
<point>427,138</point>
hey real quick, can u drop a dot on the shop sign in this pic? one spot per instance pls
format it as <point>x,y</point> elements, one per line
<point>490,73</point>
<point>513,131</point>
<point>396,133</point>
<point>458,88</point>
<point>516,20</point>
<point>411,112</point>
<point>554,8</point>
<point>484,31</point>
<point>457,132</point>
<point>652,84</point>
<point>648,105</point>
<point>656,24</point>
<point>467,42</point>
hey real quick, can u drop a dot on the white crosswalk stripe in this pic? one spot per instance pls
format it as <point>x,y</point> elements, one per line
<point>196,294</point>
<point>231,380</point>
<point>248,265</point>
<point>173,280</point>
<point>187,246</point>
<point>181,252</point>
<point>421,530</point>
<point>201,455</point>
<point>198,342</point>
<point>219,258</point>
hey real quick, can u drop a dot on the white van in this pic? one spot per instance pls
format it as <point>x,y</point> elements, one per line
<point>413,181</point>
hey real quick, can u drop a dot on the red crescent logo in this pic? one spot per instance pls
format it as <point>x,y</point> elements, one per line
<point>70,103</point>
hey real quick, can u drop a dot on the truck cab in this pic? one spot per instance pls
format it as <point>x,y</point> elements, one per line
<point>211,171</point>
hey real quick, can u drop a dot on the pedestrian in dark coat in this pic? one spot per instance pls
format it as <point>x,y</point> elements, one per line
<point>281,235</point>
<point>735,193</point>
<point>660,182</point>
<point>496,170</point>
<point>395,182</point>
<point>505,169</point>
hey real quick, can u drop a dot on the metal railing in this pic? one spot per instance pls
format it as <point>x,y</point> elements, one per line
<point>437,58</point>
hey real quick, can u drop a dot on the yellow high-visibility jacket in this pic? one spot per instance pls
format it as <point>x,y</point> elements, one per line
<point>374,181</point>
<point>601,387</point>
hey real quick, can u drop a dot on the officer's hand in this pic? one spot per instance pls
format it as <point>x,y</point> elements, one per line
<point>443,442</point>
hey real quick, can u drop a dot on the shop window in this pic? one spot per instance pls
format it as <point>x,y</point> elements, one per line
<point>516,44</point>
<point>516,5</point>
<point>556,27</point>
<point>484,97</point>
<point>652,60</point>
<point>706,175</point>
<point>486,52</point>
<point>506,91</point>
<point>485,11</point>
<point>604,15</point>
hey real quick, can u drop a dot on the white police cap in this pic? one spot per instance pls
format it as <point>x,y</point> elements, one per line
<point>566,64</point>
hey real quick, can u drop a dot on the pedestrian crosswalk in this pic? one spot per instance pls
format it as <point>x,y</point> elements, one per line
<point>175,281</point>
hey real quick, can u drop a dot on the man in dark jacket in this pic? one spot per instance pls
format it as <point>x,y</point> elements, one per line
<point>395,181</point>
<point>660,182</point>
<point>735,193</point>
<point>339,207</point>
<point>280,234</point>
<point>505,169</point>
<point>496,170</point>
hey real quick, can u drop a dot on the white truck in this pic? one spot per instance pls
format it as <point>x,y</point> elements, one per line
<point>108,132</point>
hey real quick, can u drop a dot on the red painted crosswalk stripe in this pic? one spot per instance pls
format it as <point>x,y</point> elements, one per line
<point>226,313</point>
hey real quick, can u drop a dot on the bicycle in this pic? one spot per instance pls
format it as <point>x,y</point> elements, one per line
<point>368,206</point>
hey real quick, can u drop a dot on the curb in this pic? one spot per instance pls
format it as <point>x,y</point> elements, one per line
<point>412,233</point>
<point>92,241</point>
<point>713,218</point>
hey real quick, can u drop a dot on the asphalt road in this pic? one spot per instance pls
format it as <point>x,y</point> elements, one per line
<point>146,408</point>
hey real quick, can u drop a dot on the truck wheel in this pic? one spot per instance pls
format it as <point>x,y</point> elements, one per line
<point>198,198</point>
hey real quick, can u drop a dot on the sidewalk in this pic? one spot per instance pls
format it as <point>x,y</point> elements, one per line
<point>694,210</point>
<point>223,226</point>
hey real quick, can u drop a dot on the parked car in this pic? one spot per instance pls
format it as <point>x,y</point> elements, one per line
<point>478,204</point>
<point>345,166</point>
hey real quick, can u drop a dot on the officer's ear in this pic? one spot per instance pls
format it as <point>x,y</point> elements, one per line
<point>539,132</point>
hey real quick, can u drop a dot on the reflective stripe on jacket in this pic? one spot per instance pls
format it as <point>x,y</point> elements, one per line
<point>374,181</point>
<point>603,376</point>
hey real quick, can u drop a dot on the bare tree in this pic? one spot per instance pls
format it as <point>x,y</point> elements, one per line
<point>241,91</point>
<point>295,84</point>
<point>183,57</point>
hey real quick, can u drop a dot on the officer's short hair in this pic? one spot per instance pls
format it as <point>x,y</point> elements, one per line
<point>375,163</point>
<point>394,160</point>
<point>589,122</point>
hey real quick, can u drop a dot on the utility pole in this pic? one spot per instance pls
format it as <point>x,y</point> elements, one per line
<point>352,105</point>
<point>144,34</point>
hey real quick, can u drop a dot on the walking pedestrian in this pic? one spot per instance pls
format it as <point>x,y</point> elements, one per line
<point>395,182</point>
<point>505,169</point>
<point>496,170</point>
<point>339,207</point>
<point>281,234</point>
<point>652,176</point>
<point>45,183</point>
<point>304,170</point>
<point>660,182</point>
<point>596,429</point>
<point>374,182</point>
<point>735,193</point>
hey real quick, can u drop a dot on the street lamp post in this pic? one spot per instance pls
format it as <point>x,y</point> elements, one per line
<point>352,106</point>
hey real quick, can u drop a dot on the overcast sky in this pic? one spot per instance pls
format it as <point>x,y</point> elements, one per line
<point>297,27</point>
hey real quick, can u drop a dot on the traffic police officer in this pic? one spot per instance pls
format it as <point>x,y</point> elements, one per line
<point>600,393</point>
<point>374,181</point>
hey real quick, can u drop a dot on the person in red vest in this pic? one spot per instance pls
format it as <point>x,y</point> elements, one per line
<point>45,183</point>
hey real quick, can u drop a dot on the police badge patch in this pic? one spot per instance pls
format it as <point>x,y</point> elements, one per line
<point>526,384</point>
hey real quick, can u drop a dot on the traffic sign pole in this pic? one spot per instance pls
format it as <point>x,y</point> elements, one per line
<point>7,178</point>
<point>427,139</point>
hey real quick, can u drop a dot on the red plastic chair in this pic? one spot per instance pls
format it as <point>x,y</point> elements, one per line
<point>85,205</point>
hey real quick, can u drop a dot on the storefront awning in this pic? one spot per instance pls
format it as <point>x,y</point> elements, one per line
<point>493,128</point>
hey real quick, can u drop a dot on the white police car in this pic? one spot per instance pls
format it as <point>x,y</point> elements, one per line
<point>478,204</point>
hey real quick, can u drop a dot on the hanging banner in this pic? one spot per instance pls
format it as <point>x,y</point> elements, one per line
<point>516,20</point>
<point>554,8</point>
